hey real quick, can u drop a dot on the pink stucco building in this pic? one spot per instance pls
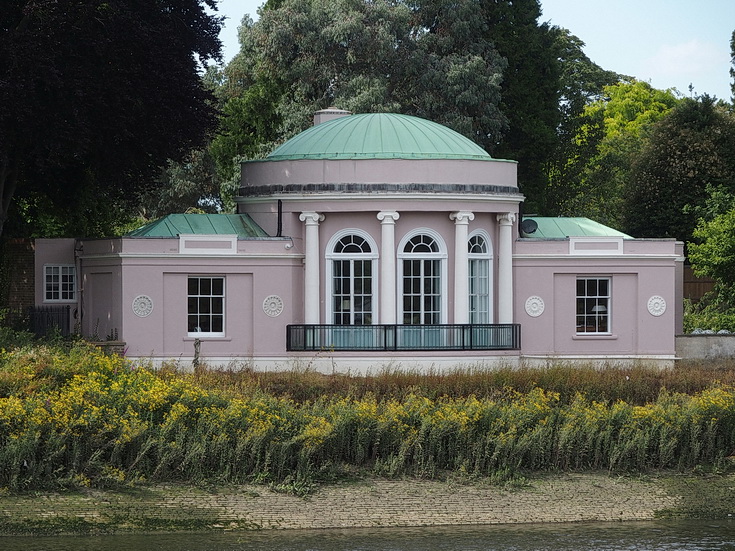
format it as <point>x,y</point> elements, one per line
<point>373,240</point>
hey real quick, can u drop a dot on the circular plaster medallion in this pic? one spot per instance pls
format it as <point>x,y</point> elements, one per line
<point>534,306</point>
<point>656,305</point>
<point>273,305</point>
<point>142,306</point>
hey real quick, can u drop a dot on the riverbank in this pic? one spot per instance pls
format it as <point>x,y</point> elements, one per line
<point>371,503</point>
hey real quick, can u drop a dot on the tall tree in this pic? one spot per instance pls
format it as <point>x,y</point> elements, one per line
<point>100,93</point>
<point>689,155</point>
<point>530,89</point>
<point>432,61</point>
<point>610,134</point>
<point>582,83</point>
<point>732,69</point>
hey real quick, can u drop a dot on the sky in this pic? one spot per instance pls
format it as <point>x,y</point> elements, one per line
<point>668,43</point>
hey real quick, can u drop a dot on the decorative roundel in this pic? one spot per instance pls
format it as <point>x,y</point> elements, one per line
<point>534,306</point>
<point>142,306</point>
<point>273,305</point>
<point>656,305</point>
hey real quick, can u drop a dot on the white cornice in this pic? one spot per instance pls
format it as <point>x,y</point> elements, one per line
<point>175,255</point>
<point>597,257</point>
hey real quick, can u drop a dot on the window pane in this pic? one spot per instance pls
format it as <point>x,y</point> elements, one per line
<point>218,286</point>
<point>193,286</point>
<point>217,324</point>
<point>192,327</point>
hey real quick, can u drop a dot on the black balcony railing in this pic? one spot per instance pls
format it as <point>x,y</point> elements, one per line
<point>503,336</point>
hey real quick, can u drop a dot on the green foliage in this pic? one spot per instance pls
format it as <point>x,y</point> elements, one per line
<point>91,212</point>
<point>713,253</point>
<point>732,69</point>
<point>689,153</point>
<point>714,312</point>
<point>610,133</point>
<point>301,56</point>
<point>83,418</point>
<point>531,89</point>
<point>582,83</point>
<point>192,183</point>
<point>99,95</point>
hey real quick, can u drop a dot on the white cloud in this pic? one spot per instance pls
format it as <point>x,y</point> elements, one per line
<point>689,59</point>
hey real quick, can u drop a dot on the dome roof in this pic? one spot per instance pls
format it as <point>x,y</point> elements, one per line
<point>378,136</point>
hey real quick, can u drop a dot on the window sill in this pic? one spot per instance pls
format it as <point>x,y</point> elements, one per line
<point>594,336</point>
<point>207,337</point>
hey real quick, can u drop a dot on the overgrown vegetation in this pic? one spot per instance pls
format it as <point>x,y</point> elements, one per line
<point>77,417</point>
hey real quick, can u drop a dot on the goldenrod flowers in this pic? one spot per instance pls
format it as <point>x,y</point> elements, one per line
<point>85,418</point>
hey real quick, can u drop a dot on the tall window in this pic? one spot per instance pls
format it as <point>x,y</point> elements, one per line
<point>422,280</point>
<point>479,274</point>
<point>352,281</point>
<point>206,305</point>
<point>593,305</point>
<point>59,283</point>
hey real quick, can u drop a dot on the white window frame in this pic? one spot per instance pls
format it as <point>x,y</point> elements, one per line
<point>590,318</point>
<point>440,255</point>
<point>331,256</point>
<point>223,296</point>
<point>476,258</point>
<point>47,268</point>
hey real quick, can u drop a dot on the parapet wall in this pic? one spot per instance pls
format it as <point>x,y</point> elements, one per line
<point>705,347</point>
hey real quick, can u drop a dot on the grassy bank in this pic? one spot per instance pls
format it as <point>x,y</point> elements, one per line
<point>75,417</point>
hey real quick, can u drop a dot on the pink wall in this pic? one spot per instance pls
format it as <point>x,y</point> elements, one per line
<point>402,171</point>
<point>55,251</point>
<point>647,269</point>
<point>146,267</point>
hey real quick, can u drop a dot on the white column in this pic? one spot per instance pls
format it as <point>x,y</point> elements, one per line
<point>461,275</point>
<point>311,265</point>
<point>388,265</point>
<point>505,267</point>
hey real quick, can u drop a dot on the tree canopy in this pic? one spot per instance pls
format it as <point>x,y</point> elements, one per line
<point>609,134</point>
<point>689,155</point>
<point>99,95</point>
<point>427,59</point>
<point>489,70</point>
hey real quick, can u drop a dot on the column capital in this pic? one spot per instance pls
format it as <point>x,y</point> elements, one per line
<point>388,216</point>
<point>506,218</point>
<point>311,217</point>
<point>462,216</point>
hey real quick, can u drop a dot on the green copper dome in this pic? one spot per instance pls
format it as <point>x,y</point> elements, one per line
<point>379,136</point>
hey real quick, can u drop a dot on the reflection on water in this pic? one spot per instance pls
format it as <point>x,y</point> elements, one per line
<point>639,536</point>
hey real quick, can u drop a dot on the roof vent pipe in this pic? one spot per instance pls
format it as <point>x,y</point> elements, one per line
<point>328,114</point>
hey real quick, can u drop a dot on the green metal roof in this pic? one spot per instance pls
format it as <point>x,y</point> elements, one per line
<point>561,227</point>
<point>378,136</point>
<point>174,225</point>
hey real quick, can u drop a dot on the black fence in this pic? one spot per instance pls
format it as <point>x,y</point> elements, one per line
<point>41,320</point>
<point>403,337</point>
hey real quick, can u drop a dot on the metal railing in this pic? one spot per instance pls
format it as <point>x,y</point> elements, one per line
<point>403,337</point>
<point>43,320</point>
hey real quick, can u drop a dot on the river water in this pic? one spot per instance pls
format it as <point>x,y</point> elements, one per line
<point>638,536</point>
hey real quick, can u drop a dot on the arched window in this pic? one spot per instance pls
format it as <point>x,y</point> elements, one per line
<point>480,275</point>
<point>350,258</point>
<point>423,260</point>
